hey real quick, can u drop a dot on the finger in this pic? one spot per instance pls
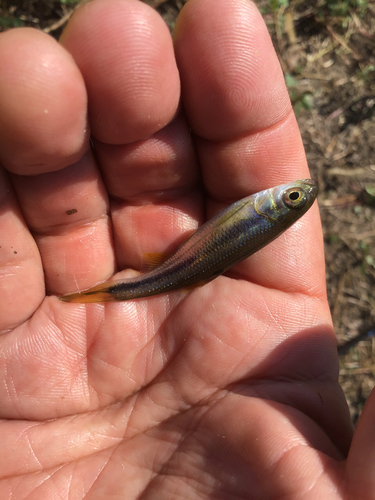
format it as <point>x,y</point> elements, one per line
<point>145,154</point>
<point>42,105</point>
<point>37,133</point>
<point>248,139</point>
<point>65,208</point>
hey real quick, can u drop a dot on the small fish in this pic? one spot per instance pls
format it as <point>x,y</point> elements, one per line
<point>232,235</point>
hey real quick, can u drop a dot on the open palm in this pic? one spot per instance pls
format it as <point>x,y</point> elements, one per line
<point>229,391</point>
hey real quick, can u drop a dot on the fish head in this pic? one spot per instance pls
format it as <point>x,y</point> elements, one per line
<point>288,202</point>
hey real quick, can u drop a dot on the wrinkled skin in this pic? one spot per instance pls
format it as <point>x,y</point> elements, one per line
<point>227,392</point>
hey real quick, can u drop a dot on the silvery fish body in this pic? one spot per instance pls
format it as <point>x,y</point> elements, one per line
<point>233,234</point>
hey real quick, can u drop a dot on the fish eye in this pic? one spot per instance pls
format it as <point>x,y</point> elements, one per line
<point>294,198</point>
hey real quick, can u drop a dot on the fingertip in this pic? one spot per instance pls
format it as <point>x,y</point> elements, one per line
<point>43,124</point>
<point>237,85</point>
<point>129,68</point>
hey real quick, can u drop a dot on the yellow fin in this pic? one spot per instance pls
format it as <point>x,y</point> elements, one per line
<point>153,259</point>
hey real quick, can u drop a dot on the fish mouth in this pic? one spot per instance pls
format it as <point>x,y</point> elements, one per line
<point>311,186</point>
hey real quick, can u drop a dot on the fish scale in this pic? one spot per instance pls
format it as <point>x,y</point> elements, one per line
<point>232,235</point>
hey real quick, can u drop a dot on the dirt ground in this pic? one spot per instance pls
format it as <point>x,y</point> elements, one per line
<point>327,51</point>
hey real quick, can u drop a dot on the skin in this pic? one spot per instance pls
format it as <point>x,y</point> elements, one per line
<point>227,392</point>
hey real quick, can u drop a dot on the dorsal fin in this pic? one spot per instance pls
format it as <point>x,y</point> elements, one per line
<point>152,260</point>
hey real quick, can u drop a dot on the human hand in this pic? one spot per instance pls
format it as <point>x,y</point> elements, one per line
<point>228,392</point>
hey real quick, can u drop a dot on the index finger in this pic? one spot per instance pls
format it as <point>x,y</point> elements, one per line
<point>247,137</point>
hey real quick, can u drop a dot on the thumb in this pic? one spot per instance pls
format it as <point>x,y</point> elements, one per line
<point>360,472</point>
